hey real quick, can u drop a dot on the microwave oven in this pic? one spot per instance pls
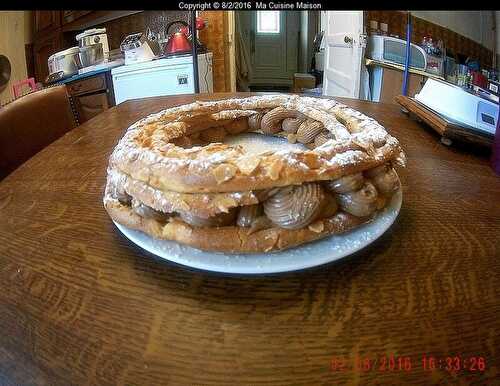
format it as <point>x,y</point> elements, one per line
<point>392,50</point>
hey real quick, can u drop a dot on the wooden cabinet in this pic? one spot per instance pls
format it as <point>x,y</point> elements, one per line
<point>42,49</point>
<point>88,106</point>
<point>88,85</point>
<point>70,16</point>
<point>392,83</point>
<point>386,81</point>
<point>92,95</point>
<point>46,21</point>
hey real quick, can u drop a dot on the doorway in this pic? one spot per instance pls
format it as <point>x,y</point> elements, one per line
<point>272,46</point>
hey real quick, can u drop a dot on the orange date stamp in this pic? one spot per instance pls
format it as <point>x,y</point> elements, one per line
<point>395,363</point>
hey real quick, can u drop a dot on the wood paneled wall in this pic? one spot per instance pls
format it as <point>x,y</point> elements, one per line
<point>214,37</point>
<point>459,44</point>
<point>12,39</point>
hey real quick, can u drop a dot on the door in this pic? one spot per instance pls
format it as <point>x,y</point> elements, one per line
<point>344,51</point>
<point>274,37</point>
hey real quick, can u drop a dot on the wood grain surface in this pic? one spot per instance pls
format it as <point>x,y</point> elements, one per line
<point>81,305</point>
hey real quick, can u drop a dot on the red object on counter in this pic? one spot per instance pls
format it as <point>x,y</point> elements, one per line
<point>178,41</point>
<point>200,23</point>
<point>479,79</point>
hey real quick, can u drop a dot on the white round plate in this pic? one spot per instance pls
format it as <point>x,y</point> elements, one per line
<point>308,255</point>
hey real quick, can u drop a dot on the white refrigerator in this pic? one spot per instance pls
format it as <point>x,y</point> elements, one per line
<point>167,76</point>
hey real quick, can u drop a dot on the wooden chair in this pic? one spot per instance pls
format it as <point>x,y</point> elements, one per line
<point>30,123</point>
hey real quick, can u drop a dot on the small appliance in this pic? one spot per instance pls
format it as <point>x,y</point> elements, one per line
<point>178,41</point>
<point>392,50</point>
<point>63,64</point>
<point>91,55</point>
<point>181,41</point>
<point>136,49</point>
<point>94,36</point>
<point>459,106</point>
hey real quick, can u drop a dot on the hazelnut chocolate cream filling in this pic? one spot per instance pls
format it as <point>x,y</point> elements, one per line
<point>175,174</point>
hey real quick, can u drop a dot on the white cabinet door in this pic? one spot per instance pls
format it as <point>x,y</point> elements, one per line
<point>344,50</point>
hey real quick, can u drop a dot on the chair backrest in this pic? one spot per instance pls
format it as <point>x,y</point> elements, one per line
<point>17,86</point>
<point>32,122</point>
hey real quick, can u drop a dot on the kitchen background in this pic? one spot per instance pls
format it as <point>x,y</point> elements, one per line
<point>41,33</point>
<point>28,38</point>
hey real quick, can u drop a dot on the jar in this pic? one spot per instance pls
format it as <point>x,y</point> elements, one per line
<point>374,27</point>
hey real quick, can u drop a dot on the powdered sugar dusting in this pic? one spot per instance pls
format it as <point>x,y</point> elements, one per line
<point>151,158</point>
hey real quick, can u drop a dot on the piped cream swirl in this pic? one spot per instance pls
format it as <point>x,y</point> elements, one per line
<point>295,207</point>
<point>219,220</point>
<point>360,203</point>
<point>384,178</point>
<point>347,183</point>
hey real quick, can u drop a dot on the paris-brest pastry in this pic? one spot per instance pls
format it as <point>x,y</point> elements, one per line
<point>173,177</point>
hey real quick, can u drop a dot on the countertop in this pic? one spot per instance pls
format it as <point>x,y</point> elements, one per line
<point>373,62</point>
<point>88,74</point>
<point>82,76</point>
<point>80,304</point>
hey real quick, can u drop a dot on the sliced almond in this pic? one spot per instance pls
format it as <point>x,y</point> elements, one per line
<point>224,172</point>
<point>248,164</point>
<point>225,203</point>
<point>175,227</point>
<point>183,205</point>
<point>317,226</point>
<point>311,160</point>
<point>274,170</point>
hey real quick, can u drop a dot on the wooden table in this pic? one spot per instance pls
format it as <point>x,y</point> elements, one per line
<point>81,305</point>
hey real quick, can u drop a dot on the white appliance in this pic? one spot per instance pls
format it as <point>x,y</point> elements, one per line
<point>63,64</point>
<point>136,49</point>
<point>94,36</point>
<point>392,50</point>
<point>459,106</point>
<point>167,76</point>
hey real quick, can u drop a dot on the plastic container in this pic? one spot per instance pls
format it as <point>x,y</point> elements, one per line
<point>384,29</point>
<point>374,27</point>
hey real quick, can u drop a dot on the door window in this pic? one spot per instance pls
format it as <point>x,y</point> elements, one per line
<point>268,22</point>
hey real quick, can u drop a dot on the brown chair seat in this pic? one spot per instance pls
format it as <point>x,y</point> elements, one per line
<point>32,122</point>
